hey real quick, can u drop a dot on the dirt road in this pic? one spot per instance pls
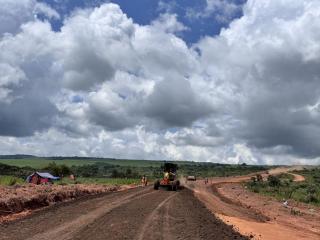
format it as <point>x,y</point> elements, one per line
<point>140,213</point>
<point>258,216</point>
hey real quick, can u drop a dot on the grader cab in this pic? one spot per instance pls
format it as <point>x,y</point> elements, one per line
<point>169,180</point>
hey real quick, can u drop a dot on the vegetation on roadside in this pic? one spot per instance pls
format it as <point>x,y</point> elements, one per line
<point>10,180</point>
<point>107,170</point>
<point>283,186</point>
<point>104,181</point>
<point>42,162</point>
<point>218,170</point>
<point>120,168</point>
<point>20,172</point>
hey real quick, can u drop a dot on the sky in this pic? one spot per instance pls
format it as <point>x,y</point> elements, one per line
<point>227,81</point>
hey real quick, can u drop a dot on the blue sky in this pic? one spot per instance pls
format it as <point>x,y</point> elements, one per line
<point>145,11</point>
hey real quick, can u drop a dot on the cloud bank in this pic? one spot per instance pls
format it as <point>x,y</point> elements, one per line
<point>106,86</point>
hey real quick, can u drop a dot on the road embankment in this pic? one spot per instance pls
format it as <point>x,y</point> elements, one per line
<point>19,200</point>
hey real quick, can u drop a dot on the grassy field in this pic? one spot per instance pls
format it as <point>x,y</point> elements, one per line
<point>104,181</point>
<point>98,169</point>
<point>10,180</point>
<point>109,181</point>
<point>282,187</point>
<point>39,163</point>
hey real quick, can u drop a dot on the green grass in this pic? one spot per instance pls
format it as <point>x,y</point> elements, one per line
<point>41,163</point>
<point>103,181</point>
<point>10,181</point>
<point>307,191</point>
<point>117,168</point>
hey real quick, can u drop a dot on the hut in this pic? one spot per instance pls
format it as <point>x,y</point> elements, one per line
<point>41,178</point>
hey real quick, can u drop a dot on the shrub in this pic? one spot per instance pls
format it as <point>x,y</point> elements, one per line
<point>303,185</point>
<point>58,170</point>
<point>311,189</point>
<point>289,190</point>
<point>116,174</point>
<point>256,189</point>
<point>64,170</point>
<point>273,181</point>
<point>311,198</point>
<point>286,183</point>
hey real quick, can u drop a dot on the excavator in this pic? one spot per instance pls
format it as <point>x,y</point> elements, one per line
<point>170,178</point>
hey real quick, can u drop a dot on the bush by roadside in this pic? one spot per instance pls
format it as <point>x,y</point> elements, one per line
<point>283,187</point>
<point>10,180</point>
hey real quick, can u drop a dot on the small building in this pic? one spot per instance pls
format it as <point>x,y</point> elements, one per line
<point>41,178</point>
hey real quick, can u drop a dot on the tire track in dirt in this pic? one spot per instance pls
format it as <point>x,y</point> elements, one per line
<point>67,218</point>
<point>134,214</point>
<point>67,231</point>
<point>218,204</point>
<point>164,215</point>
<point>153,217</point>
<point>126,221</point>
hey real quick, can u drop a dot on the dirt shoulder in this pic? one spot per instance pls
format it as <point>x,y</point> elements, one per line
<point>258,216</point>
<point>298,220</point>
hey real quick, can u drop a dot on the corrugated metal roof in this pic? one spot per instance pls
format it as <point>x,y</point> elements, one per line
<point>43,175</point>
<point>47,175</point>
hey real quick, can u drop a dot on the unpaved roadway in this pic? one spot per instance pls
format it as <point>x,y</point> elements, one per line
<point>252,214</point>
<point>140,213</point>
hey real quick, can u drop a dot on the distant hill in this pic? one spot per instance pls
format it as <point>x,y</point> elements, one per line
<point>26,156</point>
<point>17,156</point>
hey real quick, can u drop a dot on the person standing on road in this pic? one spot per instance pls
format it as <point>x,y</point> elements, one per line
<point>206,181</point>
<point>144,181</point>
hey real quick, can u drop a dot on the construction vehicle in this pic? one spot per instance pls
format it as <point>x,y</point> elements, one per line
<point>191,178</point>
<point>170,178</point>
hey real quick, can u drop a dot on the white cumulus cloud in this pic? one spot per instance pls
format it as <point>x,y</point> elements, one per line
<point>106,86</point>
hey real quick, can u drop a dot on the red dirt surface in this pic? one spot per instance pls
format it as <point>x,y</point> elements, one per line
<point>258,216</point>
<point>135,214</point>
<point>17,201</point>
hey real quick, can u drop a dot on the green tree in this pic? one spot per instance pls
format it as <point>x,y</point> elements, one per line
<point>128,173</point>
<point>64,170</point>
<point>53,168</point>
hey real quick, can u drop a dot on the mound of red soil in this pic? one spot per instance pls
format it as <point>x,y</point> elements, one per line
<point>25,197</point>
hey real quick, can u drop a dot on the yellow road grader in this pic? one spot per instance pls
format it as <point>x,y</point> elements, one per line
<point>170,178</point>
